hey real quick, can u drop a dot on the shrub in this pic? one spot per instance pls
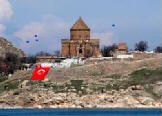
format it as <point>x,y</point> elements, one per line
<point>141,46</point>
<point>107,51</point>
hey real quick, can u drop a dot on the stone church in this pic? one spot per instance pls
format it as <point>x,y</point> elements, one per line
<point>80,44</point>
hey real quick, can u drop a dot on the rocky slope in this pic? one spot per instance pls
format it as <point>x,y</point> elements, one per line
<point>139,89</point>
<point>6,47</point>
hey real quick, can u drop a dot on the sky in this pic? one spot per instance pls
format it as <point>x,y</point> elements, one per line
<point>135,20</point>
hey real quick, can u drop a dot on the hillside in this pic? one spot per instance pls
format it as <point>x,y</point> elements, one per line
<point>6,46</point>
<point>103,84</point>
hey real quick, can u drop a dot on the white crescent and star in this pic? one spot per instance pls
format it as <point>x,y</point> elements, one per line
<point>41,71</point>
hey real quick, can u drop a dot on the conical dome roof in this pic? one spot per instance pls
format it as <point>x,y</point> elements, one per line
<point>80,25</point>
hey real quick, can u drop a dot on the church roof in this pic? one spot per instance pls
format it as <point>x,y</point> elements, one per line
<point>80,24</point>
<point>122,46</point>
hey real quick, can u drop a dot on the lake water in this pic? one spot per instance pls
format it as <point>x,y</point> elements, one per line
<point>83,112</point>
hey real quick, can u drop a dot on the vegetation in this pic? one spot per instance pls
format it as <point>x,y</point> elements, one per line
<point>57,53</point>
<point>2,79</point>
<point>158,49</point>
<point>108,51</point>
<point>29,60</point>
<point>42,53</point>
<point>9,85</point>
<point>146,76</point>
<point>114,76</point>
<point>141,46</point>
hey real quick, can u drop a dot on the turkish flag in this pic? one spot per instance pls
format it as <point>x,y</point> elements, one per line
<point>40,73</point>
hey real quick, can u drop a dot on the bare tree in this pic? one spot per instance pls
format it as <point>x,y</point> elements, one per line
<point>57,53</point>
<point>141,46</point>
<point>158,49</point>
<point>108,51</point>
<point>42,53</point>
<point>12,61</point>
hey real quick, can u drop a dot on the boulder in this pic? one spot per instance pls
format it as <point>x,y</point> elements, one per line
<point>157,88</point>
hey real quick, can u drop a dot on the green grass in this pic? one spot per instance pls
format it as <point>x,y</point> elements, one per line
<point>2,79</point>
<point>149,89</point>
<point>146,76</point>
<point>114,76</point>
<point>58,88</point>
<point>77,84</point>
<point>9,86</point>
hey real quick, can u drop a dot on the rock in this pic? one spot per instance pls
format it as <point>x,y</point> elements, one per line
<point>157,88</point>
<point>24,84</point>
<point>16,92</point>
<point>137,87</point>
<point>146,101</point>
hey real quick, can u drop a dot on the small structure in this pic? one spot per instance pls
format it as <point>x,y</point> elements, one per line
<point>122,49</point>
<point>121,52</point>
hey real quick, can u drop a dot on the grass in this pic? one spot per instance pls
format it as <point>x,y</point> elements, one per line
<point>139,77</point>
<point>99,73</point>
<point>146,76</point>
<point>114,76</point>
<point>149,89</point>
<point>9,85</point>
<point>2,79</point>
<point>58,88</point>
<point>75,65</point>
<point>77,84</point>
<point>34,82</point>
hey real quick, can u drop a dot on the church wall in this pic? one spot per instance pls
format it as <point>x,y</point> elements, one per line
<point>73,48</point>
<point>65,48</point>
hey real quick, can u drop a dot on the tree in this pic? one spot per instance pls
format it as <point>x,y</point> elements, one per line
<point>12,61</point>
<point>30,59</point>
<point>108,51</point>
<point>158,49</point>
<point>42,53</point>
<point>141,46</point>
<point>57,53</point>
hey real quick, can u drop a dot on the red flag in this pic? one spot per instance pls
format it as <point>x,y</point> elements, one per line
<point>40,73</point>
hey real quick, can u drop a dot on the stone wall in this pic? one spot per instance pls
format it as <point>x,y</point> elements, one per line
<point>65,47</point>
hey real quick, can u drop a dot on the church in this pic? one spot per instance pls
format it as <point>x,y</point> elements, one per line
<point>80,44</point>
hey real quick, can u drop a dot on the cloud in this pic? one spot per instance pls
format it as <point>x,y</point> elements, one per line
<point>5,10</point>
<point>5,14</point>
<point>29,30</point>
<point>105,38</point>
<point>50,31</point>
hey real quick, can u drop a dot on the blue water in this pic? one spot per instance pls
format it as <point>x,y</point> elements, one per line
<point>84,112</point>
